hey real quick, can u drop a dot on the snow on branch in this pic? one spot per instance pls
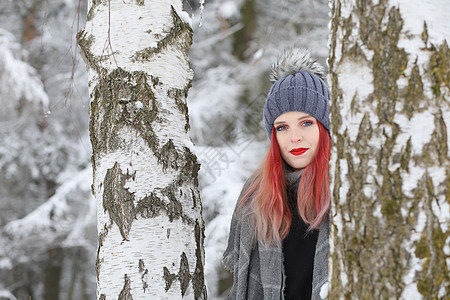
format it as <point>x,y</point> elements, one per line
<point>57,216</point>
<point>18,80</point>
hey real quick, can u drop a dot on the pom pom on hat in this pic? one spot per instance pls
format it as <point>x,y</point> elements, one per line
<point>293,60</point>
<point>299,85</point>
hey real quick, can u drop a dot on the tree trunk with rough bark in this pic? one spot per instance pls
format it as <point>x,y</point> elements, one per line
<point>390,84</point>
<point>150,228</point>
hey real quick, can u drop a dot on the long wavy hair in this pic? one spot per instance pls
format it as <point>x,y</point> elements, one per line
<point>268,205</point>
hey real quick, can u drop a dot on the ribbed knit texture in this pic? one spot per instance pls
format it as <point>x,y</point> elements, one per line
<point>304,92</point>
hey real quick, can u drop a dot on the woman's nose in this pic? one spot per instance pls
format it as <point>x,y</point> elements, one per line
<point>296,136</point>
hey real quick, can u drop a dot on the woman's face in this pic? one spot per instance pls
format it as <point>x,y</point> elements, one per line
<point>298,136</point>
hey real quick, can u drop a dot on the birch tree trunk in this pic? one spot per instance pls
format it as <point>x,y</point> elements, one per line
<point>150,229</point>
<point>390,82</point>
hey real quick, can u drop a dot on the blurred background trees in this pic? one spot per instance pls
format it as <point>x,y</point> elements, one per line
<point>47,213</point>
<point>46,209</point>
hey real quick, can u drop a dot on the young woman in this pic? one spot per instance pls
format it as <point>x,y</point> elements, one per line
<point>278,242</point>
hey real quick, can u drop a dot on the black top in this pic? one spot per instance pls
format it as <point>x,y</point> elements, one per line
<point>298,249</point>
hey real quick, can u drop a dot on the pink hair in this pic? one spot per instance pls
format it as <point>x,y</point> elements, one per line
<point>270,212</point>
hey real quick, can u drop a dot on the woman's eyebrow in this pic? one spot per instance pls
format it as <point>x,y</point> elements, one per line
<point>301,118</point>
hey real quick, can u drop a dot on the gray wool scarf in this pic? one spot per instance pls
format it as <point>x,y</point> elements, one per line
<point>258,272</point>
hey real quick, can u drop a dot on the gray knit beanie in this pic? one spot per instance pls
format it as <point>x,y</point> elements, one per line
<point>299,85</point>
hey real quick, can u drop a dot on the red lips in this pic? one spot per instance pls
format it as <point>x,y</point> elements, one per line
<point>298,151</point>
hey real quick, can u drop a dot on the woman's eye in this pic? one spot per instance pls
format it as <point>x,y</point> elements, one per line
<point>307,123</point>
<point>281,127</point>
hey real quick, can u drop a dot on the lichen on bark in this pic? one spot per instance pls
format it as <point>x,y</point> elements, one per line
<point>413,93</point>
<point>435,151</point>
<point>439,67</point>
<point>430,248</point>
<point>85,42</point>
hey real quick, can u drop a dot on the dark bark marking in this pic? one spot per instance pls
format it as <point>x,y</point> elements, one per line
<point>180,96</point>
<point>184,276</point>
<point>440,66</point>
<point>94,5</point>
<point>180,35</point>
<point>101,236</point>
<point>168,278</point>
<point>434,274</point>
<point>152,206</point>
<point>118,201</point>
<point>413,94</point>
<point>425,34</point>
<point>198,277</point>
<point>406,156</point>
<point>125,294</point>
<point>144,273</point>
<point>109,112</point>
<point>435,151</point>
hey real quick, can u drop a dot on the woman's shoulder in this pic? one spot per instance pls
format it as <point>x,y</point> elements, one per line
<point>248,183</point>
<point>243,209</point>
<point>241,232</point>
<point>243,206</point>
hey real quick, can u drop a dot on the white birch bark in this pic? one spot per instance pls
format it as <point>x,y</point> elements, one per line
<point>145,176</point>
<point>389,75</point>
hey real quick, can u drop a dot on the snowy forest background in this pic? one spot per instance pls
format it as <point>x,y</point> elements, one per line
<point>48,237</point>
